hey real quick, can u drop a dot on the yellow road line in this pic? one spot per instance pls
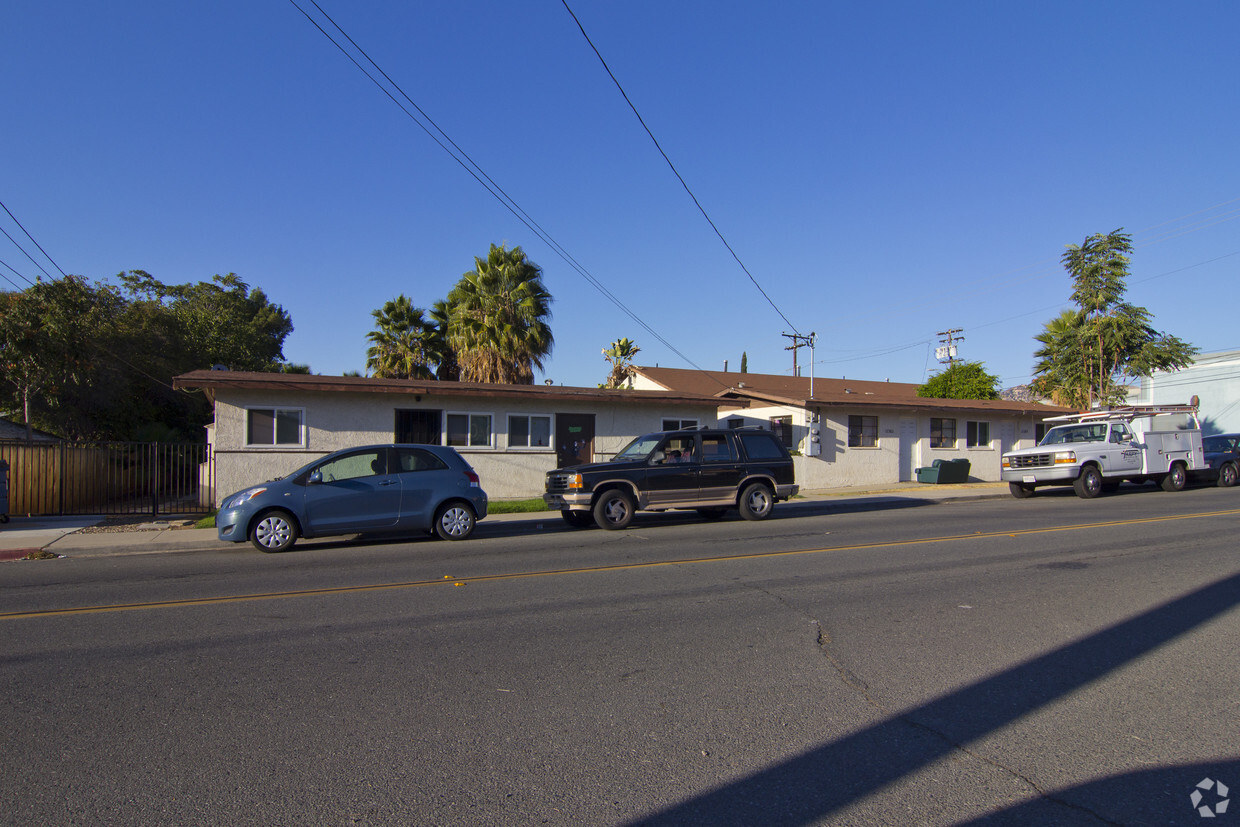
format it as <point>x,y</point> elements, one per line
<point>413,584</point>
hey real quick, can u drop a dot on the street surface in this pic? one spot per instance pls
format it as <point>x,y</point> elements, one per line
<point>1049,661</point>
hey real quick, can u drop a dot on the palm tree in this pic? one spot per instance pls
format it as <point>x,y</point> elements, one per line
<point>403,344</point>
<point>620,354</point>
<point>498,325</point>
<point>1061,371</point>
<point>449,369</point>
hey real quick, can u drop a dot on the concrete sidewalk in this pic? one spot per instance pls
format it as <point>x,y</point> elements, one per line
<point>61,535</point>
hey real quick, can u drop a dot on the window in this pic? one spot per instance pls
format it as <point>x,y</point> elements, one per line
<point>415,459</point>
<point>1120,433</point>
<point>782,426</point>
<point>469,430</point>
<point>942,433</point>
<point>368,463</point>
<point>863,432</point>
<point>679,424</point>
<point>977,434</point>
<point>529,431</point>
<point>761,445</point>
<point>274,426</point>
<point>717,448</point>
<point>735,423</point>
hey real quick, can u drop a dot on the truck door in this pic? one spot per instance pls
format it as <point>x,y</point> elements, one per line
<point>1122,456</point>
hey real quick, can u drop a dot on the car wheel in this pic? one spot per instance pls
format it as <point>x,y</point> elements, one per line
<point>712,513</point>
<point>274,531</point>
<point>577,519</point>
<point>1176,478</point>
<point>1089,484</point>
<point>756,502</point>
<point>1227,475</point>
<point>1020,491</point>
<point>614,509</point>
<point>454,521</point>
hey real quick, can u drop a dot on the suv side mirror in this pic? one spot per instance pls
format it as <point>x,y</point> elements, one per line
<point>657,458</point>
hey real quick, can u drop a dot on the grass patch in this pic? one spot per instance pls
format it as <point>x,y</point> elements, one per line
<point>516,506</point>
<point>206,522</point>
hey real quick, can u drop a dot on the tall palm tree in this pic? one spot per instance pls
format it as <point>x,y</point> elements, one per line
<point>449,369</point>
<point>498,325</point>
<point>403,342</point>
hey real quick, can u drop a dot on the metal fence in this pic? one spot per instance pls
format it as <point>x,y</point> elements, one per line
<point>111,478</point>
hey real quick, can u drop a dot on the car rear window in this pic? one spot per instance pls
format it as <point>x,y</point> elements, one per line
<point>761,445</point>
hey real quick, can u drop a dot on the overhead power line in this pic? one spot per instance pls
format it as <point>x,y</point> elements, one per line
<point>676,172</point>
<point>445,142</point>
<point>36,243</point>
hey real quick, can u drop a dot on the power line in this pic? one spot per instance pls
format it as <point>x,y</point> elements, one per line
<point>477,173</point>
<point>676,172</point>
<point>36,243</point>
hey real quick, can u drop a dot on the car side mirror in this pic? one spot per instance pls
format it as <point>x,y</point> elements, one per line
<point>316,477</point>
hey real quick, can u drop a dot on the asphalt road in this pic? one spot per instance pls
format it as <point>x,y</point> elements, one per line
<point>1050,661</point>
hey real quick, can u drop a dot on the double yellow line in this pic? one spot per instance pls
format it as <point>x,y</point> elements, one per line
<point>448,581</point>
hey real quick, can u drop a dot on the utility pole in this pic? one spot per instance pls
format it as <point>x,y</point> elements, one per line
<point>947,351</point>
<point>798,342</point>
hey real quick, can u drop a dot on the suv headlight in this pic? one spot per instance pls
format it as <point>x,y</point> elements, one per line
<point>575,481</point>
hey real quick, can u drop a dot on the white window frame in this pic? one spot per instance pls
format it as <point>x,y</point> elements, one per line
<point>276,410</point>
<point>469,430</point>
<point>531,417</point>
<point>955,433</point>
<point>877,432</point>
<point>976,425</point>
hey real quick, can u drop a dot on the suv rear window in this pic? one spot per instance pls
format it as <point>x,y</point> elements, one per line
<point>762,445</point>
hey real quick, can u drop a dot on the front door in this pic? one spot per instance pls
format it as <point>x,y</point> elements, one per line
<point>673,481</point>
<point>574,439</point>
<point>355,493</point>
<point>419,427</point>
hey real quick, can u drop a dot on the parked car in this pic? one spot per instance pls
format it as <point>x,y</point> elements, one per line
<point>1222,453</point>
<point>372,489</point>
<point>708,470</point>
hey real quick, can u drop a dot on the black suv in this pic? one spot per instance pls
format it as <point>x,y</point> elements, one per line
<point>707,469</point>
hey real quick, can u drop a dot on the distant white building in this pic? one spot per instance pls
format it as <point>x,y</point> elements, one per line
<point>1214,378</point>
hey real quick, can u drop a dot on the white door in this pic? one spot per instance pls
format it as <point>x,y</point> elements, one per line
<point>909,447</point>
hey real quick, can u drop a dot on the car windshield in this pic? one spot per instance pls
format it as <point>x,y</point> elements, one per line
<point>1075,433</point>
<point>639,448</point>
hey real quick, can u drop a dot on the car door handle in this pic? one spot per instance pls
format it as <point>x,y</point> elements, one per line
<point>390,482</point>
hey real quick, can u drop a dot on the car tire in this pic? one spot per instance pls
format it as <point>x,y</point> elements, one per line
<point>1227,475</point>
<point>454,521</point>
<point>1176,478</point>
<point>712,513</point>
<point>1020,490</point>
<point>1089,484</point>
<point>577,519</point>
<point>273,532</point>
<point>614,509</point>
<point>756,502</point>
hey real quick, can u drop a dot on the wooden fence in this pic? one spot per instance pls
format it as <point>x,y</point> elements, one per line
<point>58,478</point>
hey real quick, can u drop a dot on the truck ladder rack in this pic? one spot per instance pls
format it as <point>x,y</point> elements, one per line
<point>1125,412</point>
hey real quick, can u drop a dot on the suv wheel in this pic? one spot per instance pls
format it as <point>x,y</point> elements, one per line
<point>614,509</point>
<point>756,502</point>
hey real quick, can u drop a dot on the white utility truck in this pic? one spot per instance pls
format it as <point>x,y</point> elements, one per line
<point>1093,452</point>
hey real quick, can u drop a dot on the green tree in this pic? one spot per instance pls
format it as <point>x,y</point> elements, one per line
<point>449,369</point>
<point>402,343</point>
<point>744,362</point>
<point>961,380</point>
<point>1088,355</point>
<point>620,355</point>
<point>498,319</point>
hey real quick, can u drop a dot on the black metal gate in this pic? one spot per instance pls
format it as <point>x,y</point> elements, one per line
<point>156,478</point>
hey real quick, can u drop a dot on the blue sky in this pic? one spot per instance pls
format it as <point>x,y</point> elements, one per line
<point>884,170</point>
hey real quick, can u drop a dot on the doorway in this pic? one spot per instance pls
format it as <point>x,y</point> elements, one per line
<point>574,439</point>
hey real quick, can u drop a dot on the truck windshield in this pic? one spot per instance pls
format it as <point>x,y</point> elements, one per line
<point>1075,433</point>
<point>639,448</point>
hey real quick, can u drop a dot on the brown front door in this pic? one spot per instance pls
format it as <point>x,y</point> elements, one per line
<point>574,439</point>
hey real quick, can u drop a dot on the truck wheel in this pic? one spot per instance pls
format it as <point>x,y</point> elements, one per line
<point>756,502</point>
<point>1227,475</point>
<point>1089,484</point>
<point>577,519</point>
<point>1020,491</point>
<point>614,509</point>
<point>1176,478</point>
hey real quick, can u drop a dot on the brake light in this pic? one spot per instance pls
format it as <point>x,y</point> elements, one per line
<point>474,482</point>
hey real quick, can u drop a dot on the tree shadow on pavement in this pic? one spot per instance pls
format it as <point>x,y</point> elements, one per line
<point>812,786</point>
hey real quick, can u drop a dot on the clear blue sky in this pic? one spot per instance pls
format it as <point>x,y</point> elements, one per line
<point>885,170</point>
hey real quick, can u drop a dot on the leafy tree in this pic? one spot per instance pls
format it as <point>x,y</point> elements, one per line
<point>961,380</point>
<point>1088,355</point>
<point>620,355</point>
<point>402,343</point>
<point>498,319</point>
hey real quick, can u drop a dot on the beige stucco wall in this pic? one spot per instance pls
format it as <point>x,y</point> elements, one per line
<point>340,420</point>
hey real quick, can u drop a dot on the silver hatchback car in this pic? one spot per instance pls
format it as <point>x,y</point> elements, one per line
<point>372,489</point>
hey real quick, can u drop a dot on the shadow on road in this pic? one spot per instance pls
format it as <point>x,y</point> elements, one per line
<point>818,783</point>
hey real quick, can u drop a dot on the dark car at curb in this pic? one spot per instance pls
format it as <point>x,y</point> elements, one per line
<point>708,470</point>
<point>372,489</point>
<point>1222,453</point>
